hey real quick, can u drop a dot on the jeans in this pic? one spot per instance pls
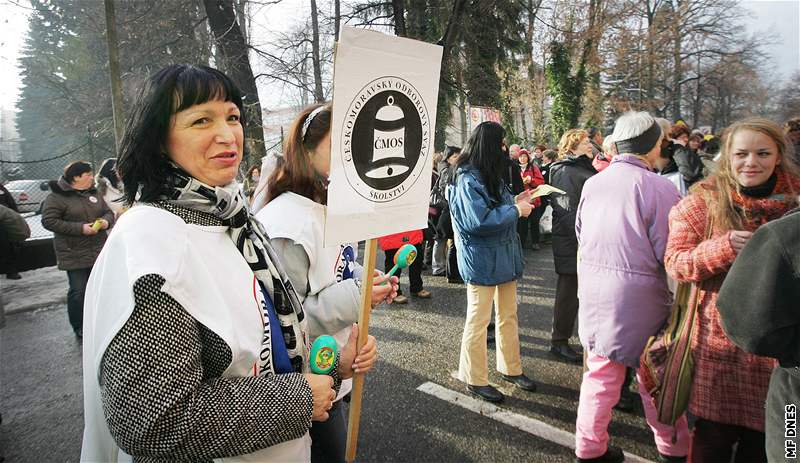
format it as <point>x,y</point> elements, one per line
<point>75,295</point>
<point>329,438</point>
<point>439,254</point>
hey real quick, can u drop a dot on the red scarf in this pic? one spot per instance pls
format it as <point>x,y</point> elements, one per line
<point>758,211</point>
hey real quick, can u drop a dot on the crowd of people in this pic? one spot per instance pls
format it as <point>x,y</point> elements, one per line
<point>669,204</point>
<point>197,312</point>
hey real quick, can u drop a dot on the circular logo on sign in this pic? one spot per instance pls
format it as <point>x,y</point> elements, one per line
<point>386,138</point>
<point>93,199</point>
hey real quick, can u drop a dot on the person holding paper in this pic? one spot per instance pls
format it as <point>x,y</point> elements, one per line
<point>485,215</point>
<point>196,345</point>
<point>327,279</point>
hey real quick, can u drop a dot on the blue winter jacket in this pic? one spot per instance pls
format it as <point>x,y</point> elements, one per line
<point>489,251</point>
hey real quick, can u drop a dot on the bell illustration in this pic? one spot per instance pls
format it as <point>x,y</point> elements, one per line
<point>388,148</point>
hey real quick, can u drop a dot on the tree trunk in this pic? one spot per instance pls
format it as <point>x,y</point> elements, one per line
<point>240,7</point>
<point>698,89</point>
<point>677,71</point>
<point>319,97</point>
<point>399,9</point>
<point>113,72</point>
<point>447,42</point>
<point>235,62</point>
<point>337,18</point>
<point>651,58</point>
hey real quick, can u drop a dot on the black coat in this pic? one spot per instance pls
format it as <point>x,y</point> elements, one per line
<point>759,306</point>
<point>545,169</point>
<point>512,176</point>
<point>568,174</point>
<point>689,164</point>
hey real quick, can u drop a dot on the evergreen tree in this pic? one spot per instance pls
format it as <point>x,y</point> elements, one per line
<point>66,100</point>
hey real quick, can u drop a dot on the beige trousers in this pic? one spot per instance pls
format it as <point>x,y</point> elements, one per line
<point>473,364</point>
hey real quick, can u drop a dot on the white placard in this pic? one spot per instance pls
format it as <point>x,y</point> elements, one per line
<point>384,114</point>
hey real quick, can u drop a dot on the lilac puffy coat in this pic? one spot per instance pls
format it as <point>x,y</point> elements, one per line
<point>622,228</point>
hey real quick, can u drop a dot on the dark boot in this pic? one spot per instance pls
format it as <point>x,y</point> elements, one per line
<point>613,455</point>
<point>522,382</point>
<point>566,353</point>
<point>487,393</point>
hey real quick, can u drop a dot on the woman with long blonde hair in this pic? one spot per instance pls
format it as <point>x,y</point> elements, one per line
<point>757,181</point>
<point>569,173</point>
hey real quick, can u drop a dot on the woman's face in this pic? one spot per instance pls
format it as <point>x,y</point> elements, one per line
<point>452,160</point>
<point>694,144</point>
<point>206,140</point>
<point>321,156</point>
<point>83,181</point>
<point>584,147</point>
<point>754,157</point>
<point>523,159</point>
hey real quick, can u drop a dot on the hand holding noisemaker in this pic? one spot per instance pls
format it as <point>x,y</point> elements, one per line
<point>402,259</point>
<point>323,355</point>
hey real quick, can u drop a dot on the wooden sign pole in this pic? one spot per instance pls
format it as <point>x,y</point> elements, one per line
<point>370,250</point>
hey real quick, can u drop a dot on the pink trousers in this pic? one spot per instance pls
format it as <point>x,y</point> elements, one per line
<point>600,391</point>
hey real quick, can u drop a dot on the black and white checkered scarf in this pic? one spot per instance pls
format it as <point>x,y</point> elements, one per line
<point>229,204</point>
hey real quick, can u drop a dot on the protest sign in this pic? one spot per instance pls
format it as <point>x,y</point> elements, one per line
<point>478,114</point>
<point>384,113</point>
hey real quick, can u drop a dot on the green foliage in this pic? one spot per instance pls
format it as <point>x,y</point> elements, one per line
<point>565,88</point>
<point>64,68</point>
<point>493,32</point>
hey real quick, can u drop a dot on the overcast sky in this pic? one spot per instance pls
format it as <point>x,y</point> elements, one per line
<point>781,17</point>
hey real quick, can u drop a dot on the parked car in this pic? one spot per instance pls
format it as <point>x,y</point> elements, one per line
<point>28,194</point>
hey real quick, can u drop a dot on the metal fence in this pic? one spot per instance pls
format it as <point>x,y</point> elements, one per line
<point>28,181</point>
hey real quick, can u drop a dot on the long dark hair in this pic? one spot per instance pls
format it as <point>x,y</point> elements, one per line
<point>296,173</point>
<point>142,160</point>
<point>108,172</point>
<point>484,151</point>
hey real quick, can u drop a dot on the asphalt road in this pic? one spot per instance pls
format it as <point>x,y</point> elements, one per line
<point>41,400</point>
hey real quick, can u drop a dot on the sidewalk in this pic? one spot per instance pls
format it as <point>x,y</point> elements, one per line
<point>38,288</point>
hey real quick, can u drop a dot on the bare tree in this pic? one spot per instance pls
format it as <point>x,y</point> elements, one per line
<point>319,97</point>
<point>233,47</point>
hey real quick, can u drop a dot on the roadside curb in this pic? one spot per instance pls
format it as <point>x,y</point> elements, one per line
<point>32,307</point>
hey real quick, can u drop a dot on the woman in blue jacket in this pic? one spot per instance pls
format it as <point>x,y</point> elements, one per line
<point>484,215</point>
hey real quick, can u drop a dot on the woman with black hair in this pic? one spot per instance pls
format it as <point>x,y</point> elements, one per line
<point>485,218</point>
<point>195,342</point>
<point>109,186</point>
